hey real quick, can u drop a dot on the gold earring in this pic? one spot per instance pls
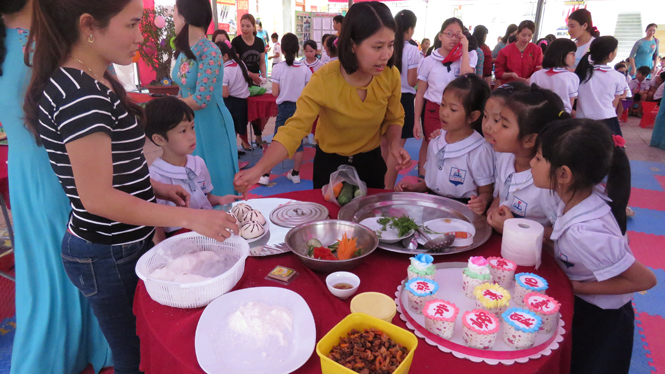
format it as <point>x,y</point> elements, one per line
<point>91,39</point>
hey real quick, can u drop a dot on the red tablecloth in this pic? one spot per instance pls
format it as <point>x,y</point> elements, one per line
<point>4,178</point>
<point>262,106</point>
<point>139,98</point>
<point>167,334</point>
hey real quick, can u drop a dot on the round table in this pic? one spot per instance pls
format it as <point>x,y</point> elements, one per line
<point>261,106</point>
<point>167,334</point>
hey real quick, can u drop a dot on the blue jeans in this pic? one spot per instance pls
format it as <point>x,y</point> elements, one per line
<point>286,111</point>
<point>105,275</point>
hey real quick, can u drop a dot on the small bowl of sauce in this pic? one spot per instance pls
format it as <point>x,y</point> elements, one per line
<point>342,284</point>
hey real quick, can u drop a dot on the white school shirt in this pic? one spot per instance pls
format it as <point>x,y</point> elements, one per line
<point>563,82</point>
<point>199,187</point>
<point>277,49</point>
<point>234,80</point>
<point>410,60</point>
<point>466,165</point>
<point>314,66</point>
<point>597,94</point>
<point>659,92</point>
<point>324,56</point>
<point>291,80</point>
<point>589,247</point>
<point>643,86</point>
<point>517,192</point>
<point>437,76</point>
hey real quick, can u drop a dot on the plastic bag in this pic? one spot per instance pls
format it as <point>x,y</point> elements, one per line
<point>256,91</point>
<point>344,173</point>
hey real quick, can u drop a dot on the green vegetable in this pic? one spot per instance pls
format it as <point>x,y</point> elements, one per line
<point>314,243</point>
<point>346,195</point>
<point>357,192</point>
<point>334,246</point>
<point>403,224</point>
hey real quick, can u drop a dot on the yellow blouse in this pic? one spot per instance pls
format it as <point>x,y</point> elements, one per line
<point>347,125</point>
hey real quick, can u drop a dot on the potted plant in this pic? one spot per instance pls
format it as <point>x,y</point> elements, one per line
<point>157,50</point>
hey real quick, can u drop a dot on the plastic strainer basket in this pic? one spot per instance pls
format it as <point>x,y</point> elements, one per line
<point>192,295</point>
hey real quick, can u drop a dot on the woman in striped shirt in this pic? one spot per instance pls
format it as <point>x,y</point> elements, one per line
<point>94,140</point>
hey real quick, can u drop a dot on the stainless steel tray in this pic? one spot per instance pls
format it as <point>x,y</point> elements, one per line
<point>419,206</point>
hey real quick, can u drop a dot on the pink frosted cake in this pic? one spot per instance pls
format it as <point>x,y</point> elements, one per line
<point>492,298</point>
<point>526,283</point>
<point>520,327</point>
<point>476,273</point>
<point>440,318</point>
<point>503,271</point>
<point>421,267</point>
<point>480,329</point>
<point>420,291</point>
<point>545,307</point>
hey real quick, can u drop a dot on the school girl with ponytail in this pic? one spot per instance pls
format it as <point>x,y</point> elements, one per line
<point>289,78</point>
<point>94,138</point>
<point>574,156</point>
<point>601,87</point>
<point>407,59</point>
<point>235,87</point>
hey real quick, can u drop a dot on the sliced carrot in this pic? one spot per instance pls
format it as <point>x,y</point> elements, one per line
<point>347,248</point>
<point>337,189</point>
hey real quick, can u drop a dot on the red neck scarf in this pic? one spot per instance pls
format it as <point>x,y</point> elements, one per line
<point>453,56</point>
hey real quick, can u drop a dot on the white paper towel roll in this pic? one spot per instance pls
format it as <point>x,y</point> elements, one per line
<point>522,241</point>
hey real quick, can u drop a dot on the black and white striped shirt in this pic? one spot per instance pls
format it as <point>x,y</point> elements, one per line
<point>75,105</point>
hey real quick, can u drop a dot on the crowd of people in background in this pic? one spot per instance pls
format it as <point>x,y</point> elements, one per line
<point>528,129</point>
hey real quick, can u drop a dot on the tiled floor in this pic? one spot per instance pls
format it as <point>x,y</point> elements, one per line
<point>646,232</point>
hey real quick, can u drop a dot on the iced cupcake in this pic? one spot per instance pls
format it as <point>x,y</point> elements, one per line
<point>476,273</point>
<point>480,329</point>
<point>492,298</point>
<point>545,307</point>
<point>421,267</point>
<point>440,318</point>
<point>420,291</point>
<point>520,327</point>
<point>503,271</point>
<point>526,283</point>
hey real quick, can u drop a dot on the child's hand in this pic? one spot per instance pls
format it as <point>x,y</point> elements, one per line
<point>435,134</point>
<point>228,199</point>
<point>465,42</point>
<point>403,186</point>
<point>418,131</point>
<point>477,204</point>
<point>497,217</point>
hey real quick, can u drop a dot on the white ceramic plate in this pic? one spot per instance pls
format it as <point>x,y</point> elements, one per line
<point>390,235</point>
<point>219,350</point>
<point>445,225</point>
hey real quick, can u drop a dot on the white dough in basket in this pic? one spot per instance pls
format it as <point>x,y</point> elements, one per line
<point>251,230</point>
<point>254,216</point>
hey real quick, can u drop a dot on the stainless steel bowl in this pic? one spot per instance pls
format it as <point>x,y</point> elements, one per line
<point>328,232</point>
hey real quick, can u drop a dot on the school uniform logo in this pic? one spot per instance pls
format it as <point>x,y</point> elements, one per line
<point>457,176</point>
<point>518,207</point>
<point>564,260</point>
<point>457,72</point>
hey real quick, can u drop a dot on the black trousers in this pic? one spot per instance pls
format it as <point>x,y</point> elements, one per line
<point>602,339</point>
<point>370,166</point>
<point>238,109</point>
<point>408,103</point>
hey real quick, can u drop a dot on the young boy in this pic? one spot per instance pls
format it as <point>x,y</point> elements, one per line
<point>170,125</point>
<point>337,23</point>
<point>277,50</point>
<point>640,87</point>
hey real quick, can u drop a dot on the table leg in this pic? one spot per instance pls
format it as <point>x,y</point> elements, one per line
<point>10,231</point>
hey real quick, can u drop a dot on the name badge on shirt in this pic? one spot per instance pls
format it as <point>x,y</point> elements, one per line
<point>518,207</point>
<point>204,187</point>
<point>564,260</point>
<point>457,176</point>
<point>457,72</point>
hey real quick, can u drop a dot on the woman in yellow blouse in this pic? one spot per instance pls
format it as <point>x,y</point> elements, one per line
<point>357,99</point>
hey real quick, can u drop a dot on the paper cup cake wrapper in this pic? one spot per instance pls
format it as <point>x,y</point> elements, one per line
<point>481,341</point>
<point>469,284</point>
<point>517,339</point>
<point>550,322</point>
<point>416,303</point>
<point>503,278</point>
<point>444,329</point>
<point>412,275</point>
<point>519,293</point>
<point>496,311</point>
